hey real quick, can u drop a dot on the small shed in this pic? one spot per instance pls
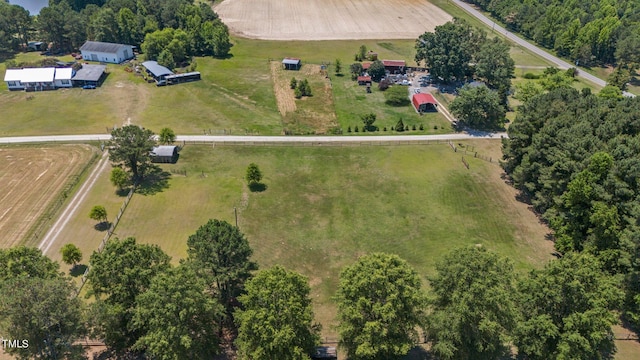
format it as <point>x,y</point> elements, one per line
<point>164,154</point>
<point>157,71</point>
<point>325,353</point>
<point>424,102</point>
<point>89,75</point>
<point>364,80</point>
<point>291,63</point>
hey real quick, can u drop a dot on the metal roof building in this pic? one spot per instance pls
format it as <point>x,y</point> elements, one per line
<point>424,102</point>
<point>106,52</point>
<point>89,75</point>
<point>164,154</point>
<point>156,70</point>
<point>291,63</point>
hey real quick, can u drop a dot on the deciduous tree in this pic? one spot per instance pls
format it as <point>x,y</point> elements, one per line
<point>276,318</point>
<point>98,213</point>
<point>119,178</point>
<point>71,254</point>
<point>130,146</point>
<point>495,66</point>
<point>478,107</point>
<point>338,67</point>
<point>22,261</point>
<point>167,136</point>
<point>254,175</point>
<point>180,319</point>
<point>380,305</point>
<point>221,254</point>
<point>376,70</point>
<point>473,305</point>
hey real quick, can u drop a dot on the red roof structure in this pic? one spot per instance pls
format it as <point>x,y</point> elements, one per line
<point>394,63</point>
<point>363,80</point>
<point>366,65</point>
<point>424,102</point>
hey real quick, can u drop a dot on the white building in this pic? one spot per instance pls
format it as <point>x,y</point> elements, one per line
<point>13,79</point>
<point>106,52</point>
<point>63,77</point>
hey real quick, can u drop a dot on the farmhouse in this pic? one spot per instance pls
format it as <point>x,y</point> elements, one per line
<point>364,80</point>
<point>106,52</point>
<point>291,63</point>
<point>89,75</point>
<point>62,77</point>
<point>394,66</point>
<point>164,154</point>
<point>36,79</point>
<point>157,71</point>
<point>424,102</point>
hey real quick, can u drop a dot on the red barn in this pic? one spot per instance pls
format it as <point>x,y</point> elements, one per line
<point>424,102</point>
<point>394,66</point>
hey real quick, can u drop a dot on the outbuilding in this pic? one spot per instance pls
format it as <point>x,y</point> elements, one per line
<point>394,66</point>
<point>157,71</point>
<point>106,52</point>
<point>164,154</point>
<point>424,102</point>
<point>325,353</point>
<point>291,63</point>
<point>89,75</point>
<point>364,80</point>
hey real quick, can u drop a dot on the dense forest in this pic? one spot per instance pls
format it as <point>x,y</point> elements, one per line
<point>180,28</point>
<point>587,31</point>
<point>576,156</point>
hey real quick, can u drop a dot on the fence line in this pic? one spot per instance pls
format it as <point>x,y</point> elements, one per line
<point>107,236</point>
<point>313,143</point>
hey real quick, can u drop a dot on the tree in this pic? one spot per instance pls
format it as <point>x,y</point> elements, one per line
<point>473,306</point>
<point>356,70</point>
<point>495,66</point>
<point>399,125</point>
<point>129,26</point>
<point>610,92</point>
<point>449,49</point>
<point>478,107</point>
<point>276,318</point>
<point>567,310</point>
<point>167,136</point>
<point>104,25</point>
<point>44,315</point>
<point>380,304</point>
<point>98,213</point>
<point>180,319</point>
<point>368,120</point>
<point>362,53</point>
<point>619,78</point>
<point>254,175</point>
<point>221,253</point>
<point>377,70</point>
<point>130,146</point>
<point>397,96</point>
<point>22,261</point>
<point>119,274</point>
<point>166,59</point>
<point>293,83</point>
<point>71,254</point>
<point>338,66</point>
<point>526,90</point>
<point>119,178</point>
<point>556,80</point>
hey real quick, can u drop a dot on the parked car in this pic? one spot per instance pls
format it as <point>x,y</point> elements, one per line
<point>89,87</point>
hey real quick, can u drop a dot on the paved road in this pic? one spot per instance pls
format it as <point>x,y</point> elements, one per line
<point>264,139</point>
<point>533,48</point>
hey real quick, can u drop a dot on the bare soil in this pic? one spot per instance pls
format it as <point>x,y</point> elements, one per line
<point>330,19</point>
<point>32,178</point>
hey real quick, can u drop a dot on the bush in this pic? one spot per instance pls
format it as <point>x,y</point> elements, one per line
<point>531,76</point>
<point>422,127</point>
<point>293,83</point>
<point>349,128</point>
<point>406,128</point>
<point>435,127</point>
<point>384,129</point>
<point>384,85</point>
<point>356,129</point>
<point>400,126</point>
<point>298,93</point>
<point>368,120</point>
<point>414,127</point>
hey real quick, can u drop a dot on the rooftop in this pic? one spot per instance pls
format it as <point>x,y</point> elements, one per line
<point>163,150</point>
<point>156,69</point>
<point>30,75</point>
<point>394,63</point>
<point>90,72</point>
<point>103,47</point>
<point>293,61</point>
<point>64,74</point>
<point>423,98</point>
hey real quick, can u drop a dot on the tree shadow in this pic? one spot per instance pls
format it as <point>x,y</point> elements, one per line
<point>102,226</point>
<point>257,187</point>
<point>123,192</point>
<point>418,353</point>
<point>156,180</point>
<point>110,354</point>
<point>78,270</point>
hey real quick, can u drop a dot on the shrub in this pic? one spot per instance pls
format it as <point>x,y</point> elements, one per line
<point>435,127</point>
<point>422,127</point>
<point>414,127</point>
<point>356,129</point>
<point>349,128</point>
<point>406,128</point>
<point>385,129</point>
<point>400,126</point>
<point>531,76</point>
<point>293,83</point>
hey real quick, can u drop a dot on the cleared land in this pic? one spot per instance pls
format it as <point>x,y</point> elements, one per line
<point>330,19</point>
<point>324,207</point>
<point>33,180</point>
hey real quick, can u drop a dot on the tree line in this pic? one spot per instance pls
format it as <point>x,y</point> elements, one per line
<point>589,32</point>
<point>477,307</point>
<point>576,158</point>
<point>167,30</point>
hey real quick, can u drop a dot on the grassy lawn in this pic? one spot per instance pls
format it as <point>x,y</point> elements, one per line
<point>324,207</point>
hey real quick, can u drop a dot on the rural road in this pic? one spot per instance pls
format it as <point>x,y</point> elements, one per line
<point>264,139</point>
<point>533,48</point>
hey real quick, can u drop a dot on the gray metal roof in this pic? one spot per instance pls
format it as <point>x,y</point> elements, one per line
<point>163,150</point>
<point>156,69</point>
<point>102,47</point>
<point>89,72</point>
<point>291,61</point>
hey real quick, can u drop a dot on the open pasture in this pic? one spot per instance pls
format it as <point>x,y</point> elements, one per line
<point>323,207</point>
<point>330,20</point>
<point>32,180</point>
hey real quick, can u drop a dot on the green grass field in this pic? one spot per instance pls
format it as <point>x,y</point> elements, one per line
<point>324,207</point>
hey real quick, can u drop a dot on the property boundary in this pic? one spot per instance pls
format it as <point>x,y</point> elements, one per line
<point>107,236</point>
<point>313,143</point>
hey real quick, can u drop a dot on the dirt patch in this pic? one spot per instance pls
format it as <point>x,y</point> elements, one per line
<point>281,87</point>
<point>33,178</point>
<point>330,19</point>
